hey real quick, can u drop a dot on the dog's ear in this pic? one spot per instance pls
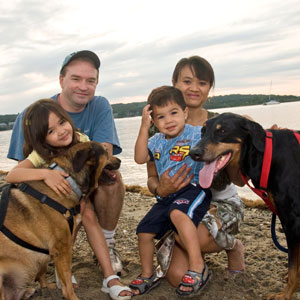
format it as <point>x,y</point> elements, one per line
<point>256,133</point>
<point>81,158</point>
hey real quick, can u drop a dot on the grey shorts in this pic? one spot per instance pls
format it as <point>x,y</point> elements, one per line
<point>230,213</point>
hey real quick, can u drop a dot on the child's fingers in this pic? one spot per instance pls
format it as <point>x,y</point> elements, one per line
<point>62,188</point>
<point>57,190</point>
<point>64,174</point>
<point>147,110</point>
<point>65,187</point>
<point>147,107</point>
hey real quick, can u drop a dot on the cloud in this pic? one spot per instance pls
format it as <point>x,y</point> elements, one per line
<point>248,44</point>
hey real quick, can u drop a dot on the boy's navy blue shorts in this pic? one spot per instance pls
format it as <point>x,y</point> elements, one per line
<point>192,200</point>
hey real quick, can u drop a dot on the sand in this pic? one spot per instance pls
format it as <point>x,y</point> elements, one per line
<point>266,266</point>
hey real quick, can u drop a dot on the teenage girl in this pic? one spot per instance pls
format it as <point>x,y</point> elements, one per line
<point>48,131</point>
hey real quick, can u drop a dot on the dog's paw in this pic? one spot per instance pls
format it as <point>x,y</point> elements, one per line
<point>28,293</point>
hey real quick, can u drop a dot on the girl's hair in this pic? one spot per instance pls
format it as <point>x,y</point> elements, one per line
<point>199,66</point>
<point>161,96</point>
<point>35,128</point>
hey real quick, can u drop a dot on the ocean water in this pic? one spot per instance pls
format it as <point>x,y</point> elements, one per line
<point>283,114</point>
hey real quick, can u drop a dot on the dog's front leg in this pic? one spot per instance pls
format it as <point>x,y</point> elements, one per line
<point>62,262</point>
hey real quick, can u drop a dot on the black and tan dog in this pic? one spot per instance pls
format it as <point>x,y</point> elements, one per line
<point>235,144</point>
<point>44,227</point>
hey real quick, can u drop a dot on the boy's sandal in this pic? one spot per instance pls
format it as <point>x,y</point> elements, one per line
<point>196,281</point>
<point>115,290</point>
<point>144,284</point>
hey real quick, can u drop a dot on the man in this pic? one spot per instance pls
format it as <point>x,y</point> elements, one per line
<point>92,115</point>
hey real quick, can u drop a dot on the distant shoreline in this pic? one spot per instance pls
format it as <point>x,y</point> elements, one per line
<point>134,109</point>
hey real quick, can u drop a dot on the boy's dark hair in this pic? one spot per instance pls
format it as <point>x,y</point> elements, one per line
<point>199,66</point>
<point>163,95</point>
<point>35,128</point>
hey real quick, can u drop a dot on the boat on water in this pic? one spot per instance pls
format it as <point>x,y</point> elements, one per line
<point>271,102</point>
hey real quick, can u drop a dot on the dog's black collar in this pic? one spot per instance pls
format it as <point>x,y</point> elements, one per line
<point>75,187</point>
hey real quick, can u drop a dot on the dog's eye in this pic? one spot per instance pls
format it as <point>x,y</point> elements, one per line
<point>221,130</point>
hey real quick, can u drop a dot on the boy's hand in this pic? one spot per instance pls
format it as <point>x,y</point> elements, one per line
<point>146,117</point>
<point>55,179</point>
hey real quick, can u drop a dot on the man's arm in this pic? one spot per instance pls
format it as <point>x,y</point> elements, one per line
<point>15,150</point>
<point>103,124</point>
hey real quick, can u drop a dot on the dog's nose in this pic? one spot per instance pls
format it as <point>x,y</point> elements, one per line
<point>195,153</point>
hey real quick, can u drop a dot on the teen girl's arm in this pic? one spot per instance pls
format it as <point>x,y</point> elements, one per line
<point>25,171</point>
<point>141,154</point>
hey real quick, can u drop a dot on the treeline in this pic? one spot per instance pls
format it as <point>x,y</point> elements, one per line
<point>7,122</point>
<point>135,109</point>
<point>128,110</point>
<point>245,100</point>
<point>7,118</point>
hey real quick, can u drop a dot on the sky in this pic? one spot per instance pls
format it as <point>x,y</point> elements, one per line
<point>253,45</point>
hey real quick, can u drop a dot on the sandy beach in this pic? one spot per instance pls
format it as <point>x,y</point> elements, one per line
<point>266,266</point>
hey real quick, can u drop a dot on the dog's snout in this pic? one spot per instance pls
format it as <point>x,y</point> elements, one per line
<point>115,163</point>
<point>196,153</point>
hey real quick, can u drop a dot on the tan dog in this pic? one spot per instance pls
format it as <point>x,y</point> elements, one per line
<point>46,228</point>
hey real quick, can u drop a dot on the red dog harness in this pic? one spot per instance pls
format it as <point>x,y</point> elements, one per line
<point>266,166</point>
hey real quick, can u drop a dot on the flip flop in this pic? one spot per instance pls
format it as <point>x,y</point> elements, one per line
<point>115,290</point>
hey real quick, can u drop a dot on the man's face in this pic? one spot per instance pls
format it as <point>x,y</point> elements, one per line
<point>78,85</point>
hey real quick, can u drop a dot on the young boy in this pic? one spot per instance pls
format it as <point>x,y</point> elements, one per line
<point>181,211</point>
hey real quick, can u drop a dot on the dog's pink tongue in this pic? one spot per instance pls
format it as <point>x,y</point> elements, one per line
<point>206,174</point>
